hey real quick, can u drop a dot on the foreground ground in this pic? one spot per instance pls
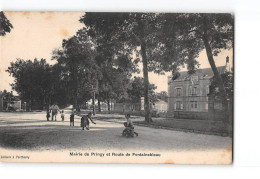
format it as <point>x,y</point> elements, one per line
<point>32,131</point>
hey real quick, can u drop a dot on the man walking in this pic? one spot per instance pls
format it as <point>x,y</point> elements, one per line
<point>54,111</point>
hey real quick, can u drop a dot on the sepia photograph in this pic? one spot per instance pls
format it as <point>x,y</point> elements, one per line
<point>116,87</point>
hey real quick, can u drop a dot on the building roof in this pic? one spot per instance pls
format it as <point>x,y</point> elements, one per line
<point>161,102</point>
<point>205,72</point>
<point>12,98</point>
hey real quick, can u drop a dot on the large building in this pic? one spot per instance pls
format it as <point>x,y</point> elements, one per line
<point>190,92</point>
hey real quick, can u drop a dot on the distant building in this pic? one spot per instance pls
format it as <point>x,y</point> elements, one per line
<point>190,92</point>
<point>160,106</point>
<point>9,102</point>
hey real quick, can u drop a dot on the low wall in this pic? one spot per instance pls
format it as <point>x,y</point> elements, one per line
<point>199,115</point>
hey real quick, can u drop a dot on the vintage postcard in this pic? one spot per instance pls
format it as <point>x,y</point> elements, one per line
<point>123,87</point>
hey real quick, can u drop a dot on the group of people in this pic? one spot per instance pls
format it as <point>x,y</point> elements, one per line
<point>53,110</point>
<point>86,119</point>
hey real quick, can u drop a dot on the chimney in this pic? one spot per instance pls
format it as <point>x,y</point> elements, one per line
<point>227,59</point>
<point>227,64</point>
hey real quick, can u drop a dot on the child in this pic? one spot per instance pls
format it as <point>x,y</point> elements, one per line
<point>62,115</point>
<point>85,121</point>
<point>48,114</point>
<point>129,124</point>
<point>72,118</point>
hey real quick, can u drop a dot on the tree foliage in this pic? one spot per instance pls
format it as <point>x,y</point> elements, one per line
<point>103,55</point>
<point>35,81</point>
<point>78,68</point>
<point>227,79</point>
<point>214,31</point>
<point>5,25</point>
<point>163,41</point>
<point>136,90</point>
<point>162,96</point>
<point>130,32</point>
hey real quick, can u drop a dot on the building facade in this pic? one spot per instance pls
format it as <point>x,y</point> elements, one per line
<point>9,102</point>
<point>190,92</point>
<point>160,106</point>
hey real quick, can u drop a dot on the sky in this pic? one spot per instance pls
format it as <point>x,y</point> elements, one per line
<point>37,34</point>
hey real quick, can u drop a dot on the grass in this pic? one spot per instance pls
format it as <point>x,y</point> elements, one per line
<point>199,126</point>
<point>203,126</point>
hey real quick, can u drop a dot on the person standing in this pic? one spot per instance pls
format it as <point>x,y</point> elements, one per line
<point>48,114</point>
<point>54,111</point>
<point>72,118</point>
<point>62,115</point>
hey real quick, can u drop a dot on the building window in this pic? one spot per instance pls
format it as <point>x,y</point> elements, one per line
<point>178,91</point>
<point>194,104</point>
<point>207,90</point>
<point>179,105</point>
<point>194,91</point>
<point>194,78</point>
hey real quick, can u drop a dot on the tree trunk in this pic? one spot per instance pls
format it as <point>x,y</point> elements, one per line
<point>216,73</point>
<point>30,105</point>
<point>44,106</point>
<point>148,117</point>
<point>75,100</point>
<point>99,106</point>
<point>75,85</point>
<point>93,103</point>
<point>108,106</point>
<point>75,105</point>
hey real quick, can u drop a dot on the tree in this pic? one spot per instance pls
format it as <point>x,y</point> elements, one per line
<point>134,32</point>
<point>214,31</point>
<point>162,96</point>
<point>59,93</point>
<point>33,81</point>
<point>115,65</point>
<point>5,25</point>
<point>164,42</point>
<point>227,79</point>
<point>136,90</point>
<point>116,74</point>
<point>215,95</point>
<point>79,69</point>
<point>7,98</point>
